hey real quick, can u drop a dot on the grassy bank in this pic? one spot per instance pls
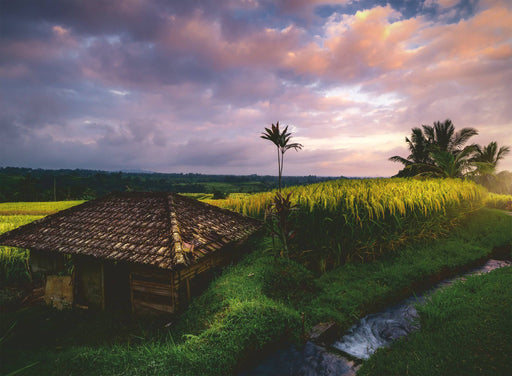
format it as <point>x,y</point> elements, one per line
<point>249,308</point>
<point>465,330</point>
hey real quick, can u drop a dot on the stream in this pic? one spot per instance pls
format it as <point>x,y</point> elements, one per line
<point>359,342</point>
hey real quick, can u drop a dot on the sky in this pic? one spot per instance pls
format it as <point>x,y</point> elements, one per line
<point>189,86</point>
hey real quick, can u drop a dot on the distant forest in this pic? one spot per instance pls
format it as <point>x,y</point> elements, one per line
<point>26,184</point>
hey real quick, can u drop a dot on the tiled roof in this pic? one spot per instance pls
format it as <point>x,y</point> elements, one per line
<point>165,230</point>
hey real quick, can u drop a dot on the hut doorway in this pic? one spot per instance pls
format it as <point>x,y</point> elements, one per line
<point>89,282</point>
<point>117,287</point>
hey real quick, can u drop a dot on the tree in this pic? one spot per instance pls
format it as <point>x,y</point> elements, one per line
<point>419,153</point>
<point>442,136</point>
<point>277,213</point>
<point>486,158</point>
<point>450,165</point>
<point>282,142</point>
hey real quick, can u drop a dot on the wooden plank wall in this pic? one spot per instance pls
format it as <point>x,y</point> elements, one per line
<point>156,291</point>
<point>151,291</point>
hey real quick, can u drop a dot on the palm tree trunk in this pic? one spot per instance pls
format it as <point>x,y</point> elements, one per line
<point>279,167</point>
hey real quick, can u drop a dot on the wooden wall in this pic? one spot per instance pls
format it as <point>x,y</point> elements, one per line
<point>156,291</point>
<point>152,291</point>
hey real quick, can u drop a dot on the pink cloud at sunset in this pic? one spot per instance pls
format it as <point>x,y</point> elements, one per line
<point>188,87</point>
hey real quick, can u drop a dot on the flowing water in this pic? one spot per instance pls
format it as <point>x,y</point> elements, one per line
<point>381,329</point>
<point>360,341</point>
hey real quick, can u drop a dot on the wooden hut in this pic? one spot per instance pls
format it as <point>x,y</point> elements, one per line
<point>141,251</point>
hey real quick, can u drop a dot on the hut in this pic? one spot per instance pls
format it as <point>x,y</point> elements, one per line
<point>141,251</point>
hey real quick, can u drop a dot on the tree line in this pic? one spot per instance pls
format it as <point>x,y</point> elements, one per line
<point>26,184</point>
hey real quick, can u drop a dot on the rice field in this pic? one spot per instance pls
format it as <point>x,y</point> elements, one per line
<point>13,261</point>
<point>35,208</point>
<point>498,201</point>
<point>346,220</point>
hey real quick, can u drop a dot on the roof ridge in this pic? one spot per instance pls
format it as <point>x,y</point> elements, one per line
<point>179,254</point>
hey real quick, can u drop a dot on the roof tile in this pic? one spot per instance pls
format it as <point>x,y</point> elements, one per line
<point>165,230</point>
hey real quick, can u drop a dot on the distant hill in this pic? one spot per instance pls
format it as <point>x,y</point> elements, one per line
<point>27,184</point>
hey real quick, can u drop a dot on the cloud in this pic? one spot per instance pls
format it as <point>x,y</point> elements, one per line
<point>189,86</point>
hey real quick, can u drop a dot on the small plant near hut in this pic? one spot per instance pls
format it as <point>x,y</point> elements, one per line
<point>279,209</point>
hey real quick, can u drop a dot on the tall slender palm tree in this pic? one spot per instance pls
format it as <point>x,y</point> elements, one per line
<point>282,141</point>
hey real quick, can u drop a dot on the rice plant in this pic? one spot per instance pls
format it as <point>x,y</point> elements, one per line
<point>14,261</point>
<point>35,208</point>
<point>498,201</point>
<point>346,220</point>
<point>14,265</point>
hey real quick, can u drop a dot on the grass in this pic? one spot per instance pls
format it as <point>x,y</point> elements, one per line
<point>249,309</point>
<point>465,330</point>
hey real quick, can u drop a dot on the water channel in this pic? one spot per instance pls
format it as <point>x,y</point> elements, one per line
<point>358,343</point>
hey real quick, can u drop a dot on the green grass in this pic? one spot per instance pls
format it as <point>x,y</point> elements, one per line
<point>252,307</point>
<point>465,330</point>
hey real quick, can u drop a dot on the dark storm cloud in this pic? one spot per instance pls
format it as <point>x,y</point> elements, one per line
<point>94,17</point>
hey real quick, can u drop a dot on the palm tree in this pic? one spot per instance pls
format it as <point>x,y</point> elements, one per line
<point>431,147</point>
<point>419,153</point>
<point>487,158</point>
<point>276,214</point>
<point>449,165</point>
<point>442,136</point>
<point>281,140</point>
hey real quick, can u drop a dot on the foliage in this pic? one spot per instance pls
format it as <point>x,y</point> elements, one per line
<point>449,165</point>
<point>282,142</point>
<point>14,266</point>
<point>279,209</point>
<point>496,183</point>
<point>465,330</point>
<point>288,281</point>
<point>277,216</point>
<point>24,184</point>
<point>437,150</point>
<point>487,157</point>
